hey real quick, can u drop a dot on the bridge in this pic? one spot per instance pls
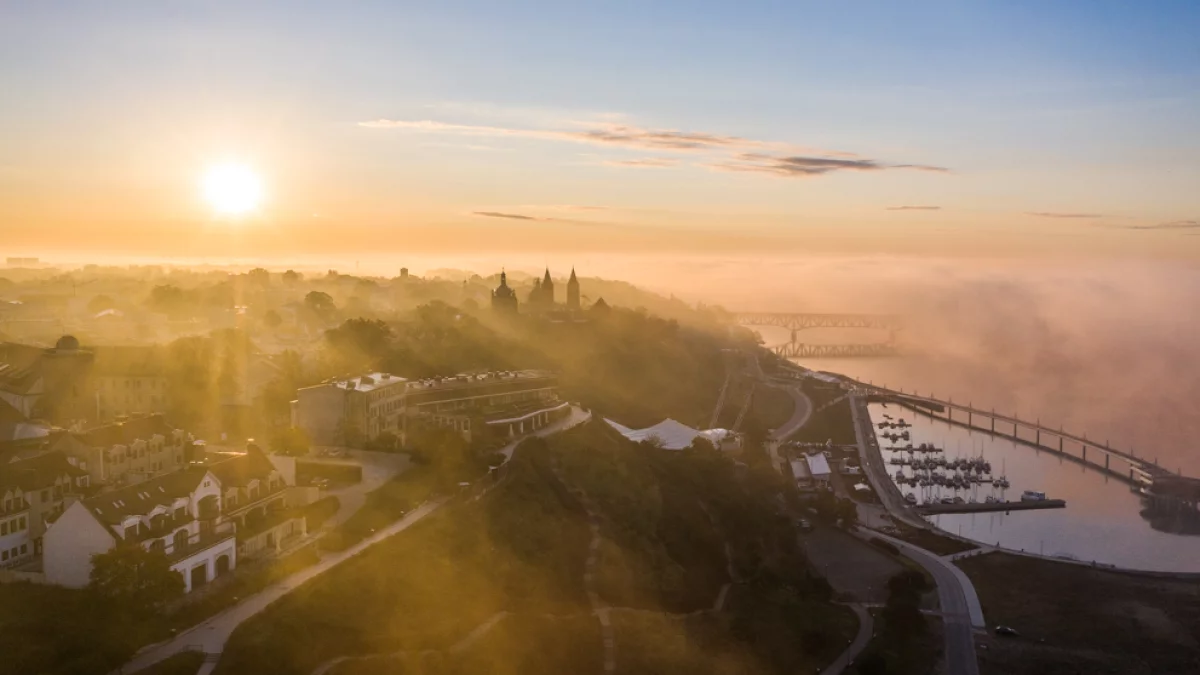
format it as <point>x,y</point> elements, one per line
<point>797,321</point>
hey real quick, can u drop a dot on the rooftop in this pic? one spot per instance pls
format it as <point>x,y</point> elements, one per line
<point>141,498</point>
<point>474,379</point>
<point>369,382</point>
<point>37,472</point>
<point>124,433</point>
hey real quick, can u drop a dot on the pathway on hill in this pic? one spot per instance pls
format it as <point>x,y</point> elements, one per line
<point>211,634</point>
<point>866,628</point>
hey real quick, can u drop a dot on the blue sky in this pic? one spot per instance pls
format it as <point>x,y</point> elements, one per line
<point>1069,108</point>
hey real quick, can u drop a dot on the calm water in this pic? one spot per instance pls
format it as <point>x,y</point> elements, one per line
<point>1101,521</point>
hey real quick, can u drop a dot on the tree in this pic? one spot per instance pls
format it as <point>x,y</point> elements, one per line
<point>272,319</point>
<point>359,343</point>
<point>292,277</point>
<point>320,303</point>
<point>259,276</point>
<point>136,579</point>
<point>290,441</point>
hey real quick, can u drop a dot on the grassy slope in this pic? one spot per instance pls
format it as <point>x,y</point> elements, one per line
<point>522,550</point>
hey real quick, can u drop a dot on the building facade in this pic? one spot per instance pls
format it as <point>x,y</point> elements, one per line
<point>33,493</point>
<point>204,518</point>
<point>500,404</point>
<point>128,452</point>
<point>349,411</point>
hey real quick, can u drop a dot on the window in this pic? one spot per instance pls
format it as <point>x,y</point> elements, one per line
<point>45,495</point>
<point>24,549</point>
<point>21,522</point>
<point>4,556</point>
<point>4,529</point>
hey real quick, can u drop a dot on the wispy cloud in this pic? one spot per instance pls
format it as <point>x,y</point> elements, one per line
<point>913,208</point>
<point>725,152</point>
<point>568,207</point>
<point>1173,225</point>
<point>1055,214</point>
<point>642,163</point>
<point>810,166</point>
<point>497,214</point>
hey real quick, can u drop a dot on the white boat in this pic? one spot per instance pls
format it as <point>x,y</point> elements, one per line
<point>1033,496</point>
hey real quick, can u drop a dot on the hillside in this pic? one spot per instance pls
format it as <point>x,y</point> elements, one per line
<point>681,554</point>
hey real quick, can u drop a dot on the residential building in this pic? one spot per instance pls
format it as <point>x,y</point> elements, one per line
<point>349,411</point>
<point>801,474</point>
<point>129,380</point>
<point>204,518</point>
<point>128,452</point>
<point>33,492</point>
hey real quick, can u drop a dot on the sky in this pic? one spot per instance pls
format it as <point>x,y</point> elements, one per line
<point>953,129</point>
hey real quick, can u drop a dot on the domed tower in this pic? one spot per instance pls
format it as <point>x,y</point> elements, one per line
<point>547,289</point>
<point>503,298</point>
<point>573,291</point>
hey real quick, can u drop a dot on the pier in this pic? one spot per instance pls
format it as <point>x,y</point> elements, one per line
<point>1125,466</point>
<point>984,507</point>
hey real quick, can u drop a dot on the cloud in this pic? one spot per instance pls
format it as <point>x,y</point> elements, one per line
<point>1173,225</point>
<point>913,208</point>
<point>810,166</point>
<point>568,207</point>
<point>641,163</point>
<point>497,214</point>
<point>1053,214</point>
<point>727,153</point>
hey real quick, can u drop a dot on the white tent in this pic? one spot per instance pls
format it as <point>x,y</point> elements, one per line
<point>674,435</point>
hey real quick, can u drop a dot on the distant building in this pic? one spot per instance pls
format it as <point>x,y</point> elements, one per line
<point>51,384</point>
<point>403,274</point>
<point>486,406</point>
<point>503,298</point>
<point>499,404</point>
<point>129,380</point>
<point>573,292</point>
<point>801,474</point>
<point>23,262</point>
<point>203,518</point>
<point>349,411</point>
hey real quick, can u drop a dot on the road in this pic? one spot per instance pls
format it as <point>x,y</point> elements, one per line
<point>960,606</point>
<point>961,611</point>
<point>866,628</point>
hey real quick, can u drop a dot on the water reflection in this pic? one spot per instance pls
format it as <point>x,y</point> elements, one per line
<point>1102,521</point>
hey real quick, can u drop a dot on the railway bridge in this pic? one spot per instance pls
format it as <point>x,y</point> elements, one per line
<point>799,321</point>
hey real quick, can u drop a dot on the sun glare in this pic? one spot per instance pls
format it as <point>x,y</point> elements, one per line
<point>232,189</point>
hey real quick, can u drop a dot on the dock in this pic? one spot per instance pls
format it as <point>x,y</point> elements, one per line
<point>984,507</point>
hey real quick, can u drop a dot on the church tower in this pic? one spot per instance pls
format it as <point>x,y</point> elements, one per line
<point>547,289</point>
<point>503,298</point>
<point>573,292</point>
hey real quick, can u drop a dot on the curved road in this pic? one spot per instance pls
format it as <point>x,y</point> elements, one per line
<point>866,627</point>
<point>961,611</point>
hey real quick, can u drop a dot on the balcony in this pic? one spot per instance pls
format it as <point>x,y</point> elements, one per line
<point>196,543</point>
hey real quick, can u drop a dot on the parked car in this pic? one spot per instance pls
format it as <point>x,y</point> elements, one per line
<point>804,525</point>
<point>1007,631</point>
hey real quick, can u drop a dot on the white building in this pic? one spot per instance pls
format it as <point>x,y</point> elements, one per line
<point>344,411</point>
<point>203,518</point>
<point>818,466</point>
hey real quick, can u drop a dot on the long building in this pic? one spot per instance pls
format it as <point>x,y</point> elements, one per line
<point>479,406</point>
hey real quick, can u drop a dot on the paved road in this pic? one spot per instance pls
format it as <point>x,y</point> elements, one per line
<point>961,611</point>
<point>801,411</point>
<point>866,629</point>
<point>876,471</point>
<point>956,594</point>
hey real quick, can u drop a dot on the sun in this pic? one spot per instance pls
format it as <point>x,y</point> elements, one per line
<point>232,189</point>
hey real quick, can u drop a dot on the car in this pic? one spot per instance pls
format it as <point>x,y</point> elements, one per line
<point>1006,631</point>
<point>804,525</point>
